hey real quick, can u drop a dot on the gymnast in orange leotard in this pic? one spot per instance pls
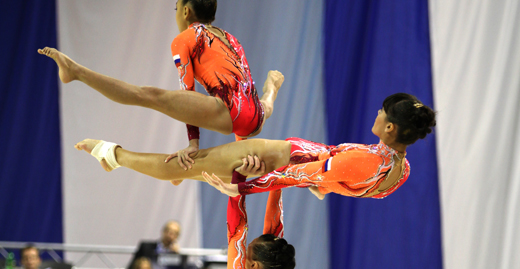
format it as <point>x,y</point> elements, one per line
<point>218,62</point>
<point>220,65</point>
<point>200,52</point>
<point>355,170</point>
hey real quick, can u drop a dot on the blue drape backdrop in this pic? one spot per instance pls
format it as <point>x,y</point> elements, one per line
<point>30,163</point>
<point>374,49</point>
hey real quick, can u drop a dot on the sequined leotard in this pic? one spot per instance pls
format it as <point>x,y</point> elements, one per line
<point>237,223</point>
<point>224,73</point>
<point>355,170</point>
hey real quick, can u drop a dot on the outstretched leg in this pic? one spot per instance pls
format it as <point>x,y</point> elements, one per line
<point>187,106</point>
<point>145,163</point>
<point>219,160</point>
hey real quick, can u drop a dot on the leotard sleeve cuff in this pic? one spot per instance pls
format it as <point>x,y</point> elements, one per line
<point>193,132</point>
<point>237,178</point>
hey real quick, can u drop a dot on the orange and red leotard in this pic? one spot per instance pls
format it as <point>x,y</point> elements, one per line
<point>223,71</point>
<point>355,170</point>
<point>237,223</point>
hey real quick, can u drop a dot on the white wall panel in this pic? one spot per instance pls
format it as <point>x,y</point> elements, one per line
<point>128,40</point>
<point>476,66</point>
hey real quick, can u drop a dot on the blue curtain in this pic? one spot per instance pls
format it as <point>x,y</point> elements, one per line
<point>374,49</point>
<point>30,163</point>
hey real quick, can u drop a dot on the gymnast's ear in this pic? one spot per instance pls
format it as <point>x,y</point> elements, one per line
<point>188,13</point>
<point>255,265</point>
<point>390,128</point>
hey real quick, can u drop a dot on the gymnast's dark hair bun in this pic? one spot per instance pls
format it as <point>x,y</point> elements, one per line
<point>414,120</point>
<point>273,252</point>
<point>204,9</point>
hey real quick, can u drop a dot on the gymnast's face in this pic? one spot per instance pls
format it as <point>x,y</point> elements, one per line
<point>381,124</point>
<point>248,258</point>
<point>250,264</point>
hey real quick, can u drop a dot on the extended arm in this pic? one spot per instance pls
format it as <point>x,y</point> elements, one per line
<point>273,221</point>
<point>283,177</point>
<point>299,175</point>
<point>237,232</point>
<point>180,48</point>
<point>347,173</point>
<point>236,223</point>
<point>181,57</point>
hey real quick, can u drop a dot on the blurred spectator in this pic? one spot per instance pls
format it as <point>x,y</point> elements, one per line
<point>30,257</point>
<point>142,263</point>
<point>167,244</point>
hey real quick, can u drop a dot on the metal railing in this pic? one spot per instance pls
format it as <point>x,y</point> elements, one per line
<point>100,251</point>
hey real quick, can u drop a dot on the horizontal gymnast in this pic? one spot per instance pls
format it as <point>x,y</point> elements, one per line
<point>355,170</point>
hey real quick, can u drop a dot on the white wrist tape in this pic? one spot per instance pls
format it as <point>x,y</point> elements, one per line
<point>106,150</point>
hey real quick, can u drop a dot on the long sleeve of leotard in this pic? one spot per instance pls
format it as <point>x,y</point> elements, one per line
<point>182,47</point>
<point>273,221</point>
<point>237,223</point>
<point>237,228</point>
<point>349,173</point>
<point>237,231</point>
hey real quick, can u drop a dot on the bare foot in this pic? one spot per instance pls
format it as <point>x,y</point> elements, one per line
<point>89,144</point>
<point>65,64</point>
<point>271,86</point>
<point>273,82</point>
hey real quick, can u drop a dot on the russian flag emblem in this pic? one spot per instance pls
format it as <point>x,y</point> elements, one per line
<point>327,165</point>
<point>177,60</point>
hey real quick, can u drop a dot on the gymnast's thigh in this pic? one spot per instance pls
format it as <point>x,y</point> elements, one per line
<point>223,159</point>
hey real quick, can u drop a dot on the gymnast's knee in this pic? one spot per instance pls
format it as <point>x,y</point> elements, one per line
<point>151,96</point>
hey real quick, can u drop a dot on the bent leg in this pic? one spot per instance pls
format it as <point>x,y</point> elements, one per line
<point>271,86</point>
<point>221,160</point>
<point>189,107</point>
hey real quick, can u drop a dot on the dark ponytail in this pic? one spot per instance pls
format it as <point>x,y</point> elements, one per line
<point>414,120</point>
<point>273,252</point>
<point>204,9</point>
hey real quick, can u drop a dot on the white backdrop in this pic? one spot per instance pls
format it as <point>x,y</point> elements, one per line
<point>476,66</point>
<point>129,40</point>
